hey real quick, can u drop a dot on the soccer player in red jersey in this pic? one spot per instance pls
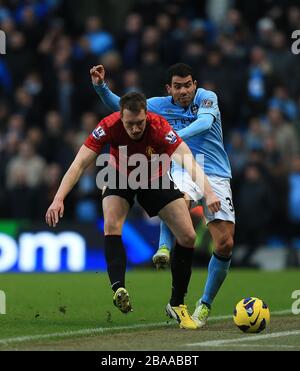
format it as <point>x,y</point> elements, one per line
<point>145,134</point>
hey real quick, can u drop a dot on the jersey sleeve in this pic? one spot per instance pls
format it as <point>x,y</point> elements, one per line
<point>154,105</point>
<point>99,138</point>
<point>169,138</point>
<point>209,104</point>
<point>200,126</point>
<point>110,99</point>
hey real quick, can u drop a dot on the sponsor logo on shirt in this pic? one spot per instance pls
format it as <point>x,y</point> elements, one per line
<point>171,137</point>
<point>98,133</point>
<point>207,103</point>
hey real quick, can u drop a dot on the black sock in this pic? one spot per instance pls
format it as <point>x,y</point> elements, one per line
<point>115,256</point>
<point>181,268</point>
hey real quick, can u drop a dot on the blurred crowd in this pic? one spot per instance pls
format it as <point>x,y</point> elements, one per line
<point>48,105</point>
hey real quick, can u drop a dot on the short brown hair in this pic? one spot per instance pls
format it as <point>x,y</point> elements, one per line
<point>134,102</point>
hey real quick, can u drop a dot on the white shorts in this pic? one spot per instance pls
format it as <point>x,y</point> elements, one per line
<point>221,187</point>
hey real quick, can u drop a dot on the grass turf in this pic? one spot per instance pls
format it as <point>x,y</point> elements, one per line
<point>44,304</point>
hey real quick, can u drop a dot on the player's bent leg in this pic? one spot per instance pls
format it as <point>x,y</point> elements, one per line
<point>181,273</point>
<point>177,217</point>
<point>115,210</point>
<point>222,233</point>
<point>161,258</point>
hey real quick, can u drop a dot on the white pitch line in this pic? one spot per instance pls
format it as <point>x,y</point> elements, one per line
<point>267,346</point>
<point>89,331</point>
<point>101,330</point>
<point>277,313</point>
<point>217,343</point>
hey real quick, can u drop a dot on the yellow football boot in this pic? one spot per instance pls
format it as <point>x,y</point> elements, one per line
<point>182,316</point>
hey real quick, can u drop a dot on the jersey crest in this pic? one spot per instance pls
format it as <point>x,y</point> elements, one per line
<point>150,151</point>
<point>207,103</point>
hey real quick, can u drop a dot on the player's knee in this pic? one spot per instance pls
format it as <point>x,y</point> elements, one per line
<point>112,226</point>
<point>112,229</point>
<point>187,239</point>
<point>225,245</point>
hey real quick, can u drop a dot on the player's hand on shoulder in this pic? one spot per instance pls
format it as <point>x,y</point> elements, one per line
<point>97,74</point>
<point>213,203</point>
<point>55,212</point>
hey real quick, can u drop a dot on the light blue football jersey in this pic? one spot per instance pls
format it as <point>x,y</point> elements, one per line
<point>208,143</point>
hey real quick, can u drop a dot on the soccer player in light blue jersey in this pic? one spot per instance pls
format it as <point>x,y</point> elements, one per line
<point>195,115</point>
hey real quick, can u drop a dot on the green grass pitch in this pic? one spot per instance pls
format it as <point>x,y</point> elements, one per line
<point>75,311</point>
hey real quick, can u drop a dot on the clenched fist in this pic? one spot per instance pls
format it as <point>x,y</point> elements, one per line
<point>97,74</point>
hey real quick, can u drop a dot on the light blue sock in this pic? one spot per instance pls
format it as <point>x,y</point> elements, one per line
<point>217,271</point>
<point>166,237</point>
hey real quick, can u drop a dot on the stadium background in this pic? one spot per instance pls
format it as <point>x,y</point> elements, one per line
<point>241,50</point>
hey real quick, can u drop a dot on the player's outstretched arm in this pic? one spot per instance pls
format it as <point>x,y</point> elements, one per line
<point>83,159</point>
<point>200,126</point>
<point>110,99</point>
<point>206,116</point>
<point>184,157</point>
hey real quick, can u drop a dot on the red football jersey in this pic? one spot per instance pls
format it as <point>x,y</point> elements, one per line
<point>158,138</point>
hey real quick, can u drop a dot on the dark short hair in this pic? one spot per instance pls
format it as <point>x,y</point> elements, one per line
<point>134,102</point>
<point>179,69</point>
